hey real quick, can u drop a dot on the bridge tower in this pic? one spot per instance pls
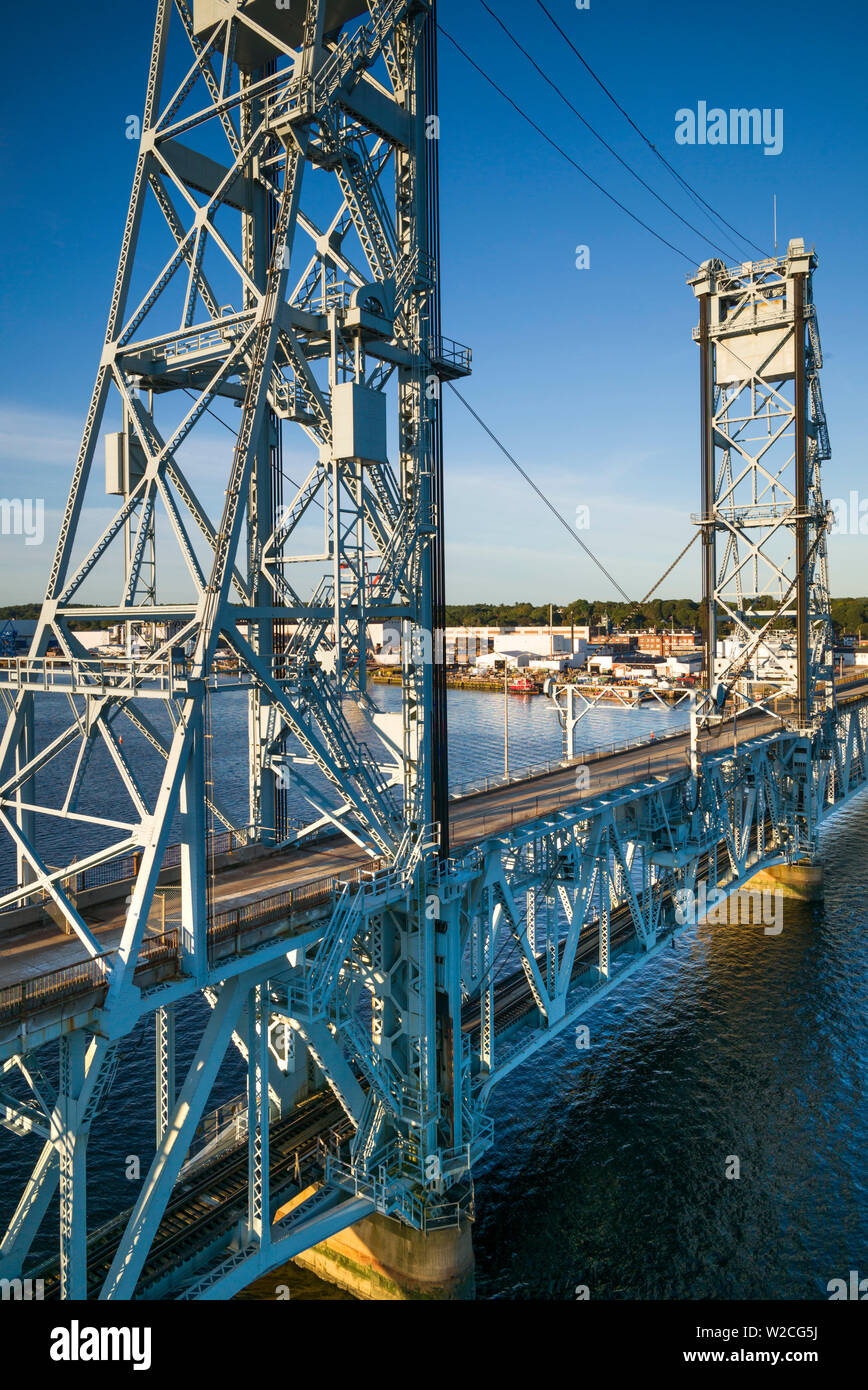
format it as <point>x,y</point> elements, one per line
<point>763,520</point>
<point>269,406</point>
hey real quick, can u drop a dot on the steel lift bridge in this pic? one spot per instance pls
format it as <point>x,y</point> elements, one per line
<point>279,270</point>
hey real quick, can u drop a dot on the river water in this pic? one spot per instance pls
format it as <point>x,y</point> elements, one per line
<point>609,1169</point>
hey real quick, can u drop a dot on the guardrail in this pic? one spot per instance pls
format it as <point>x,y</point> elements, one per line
<point>497,821</point>
<point>27,996</point>
<point>487,784</point>
<point>126,868</point>
<point>450,352</point>
<point>215,337</point>
<point>230,924</point>
<point>231,1115</point>
<point>233,921</point>
<point>141,676</point>
<point>94,675</point>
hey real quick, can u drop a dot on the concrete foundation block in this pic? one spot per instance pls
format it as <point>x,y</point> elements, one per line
<point>801,882</point>
<point>381,1259</point>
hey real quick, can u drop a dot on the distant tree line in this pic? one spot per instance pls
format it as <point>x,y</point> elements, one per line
<point>21,610</point>
<point>849,615</point>
<point>658,613</point>
<point>27,612</point>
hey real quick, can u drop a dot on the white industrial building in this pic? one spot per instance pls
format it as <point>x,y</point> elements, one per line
<point>685,664</point>
<point>504,660</point>
<point>601,665</point>
<point>540,642</point>
<point>535,648</point>
<point>772,660</point>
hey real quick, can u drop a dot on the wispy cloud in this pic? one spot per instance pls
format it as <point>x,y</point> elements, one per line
<point>44,437</point>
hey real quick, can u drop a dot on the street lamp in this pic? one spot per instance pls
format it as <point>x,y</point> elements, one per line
<point>505,723</point>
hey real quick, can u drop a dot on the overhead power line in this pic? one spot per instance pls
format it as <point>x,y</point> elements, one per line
<point>562,152</point>
<point>603,141</point>
<point>673,171</point>
<point>635,606</point>
<point>540,494</point>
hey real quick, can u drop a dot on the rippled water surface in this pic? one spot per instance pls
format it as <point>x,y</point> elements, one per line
<point>609,1165</point>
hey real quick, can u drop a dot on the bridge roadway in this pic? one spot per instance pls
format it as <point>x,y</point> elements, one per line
<point>41,950</point>
<point>281,894</point>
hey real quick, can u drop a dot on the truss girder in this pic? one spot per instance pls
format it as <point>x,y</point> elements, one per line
<point>601,881</point>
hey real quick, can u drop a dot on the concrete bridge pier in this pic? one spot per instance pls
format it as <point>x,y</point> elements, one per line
<point>382,1260</point>
<point>799,882</point>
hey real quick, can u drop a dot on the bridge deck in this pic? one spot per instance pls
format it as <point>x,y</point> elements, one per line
<point>212,1192</point>
<point>473,817</point>
<point>215,1191</point>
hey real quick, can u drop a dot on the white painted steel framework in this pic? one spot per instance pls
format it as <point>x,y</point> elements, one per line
<point>288,158</point>
<point>764,518</point>
<point>573,700</point>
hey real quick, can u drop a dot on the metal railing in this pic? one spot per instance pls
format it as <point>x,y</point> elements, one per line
<point>216,337</point>
<point>230,1117</point>
<point>230,924</point>
<point>95,675</point>
<point>526,774</point>
<point>230,323</point>
<point>497,821</point>
<point>233,921</point>
<point>27,996</point>
<point>126,868</point>
<point>454,354</point>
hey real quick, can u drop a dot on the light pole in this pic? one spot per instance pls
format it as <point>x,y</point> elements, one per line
<point>505,724</point>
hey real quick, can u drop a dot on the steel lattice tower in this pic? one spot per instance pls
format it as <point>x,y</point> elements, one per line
<point>292,173</point>
<point>763,521</point>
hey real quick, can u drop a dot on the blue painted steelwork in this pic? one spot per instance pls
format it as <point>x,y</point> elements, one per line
<point>413,989</point>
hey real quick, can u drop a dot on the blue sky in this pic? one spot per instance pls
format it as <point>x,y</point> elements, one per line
<point>589,376</point>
